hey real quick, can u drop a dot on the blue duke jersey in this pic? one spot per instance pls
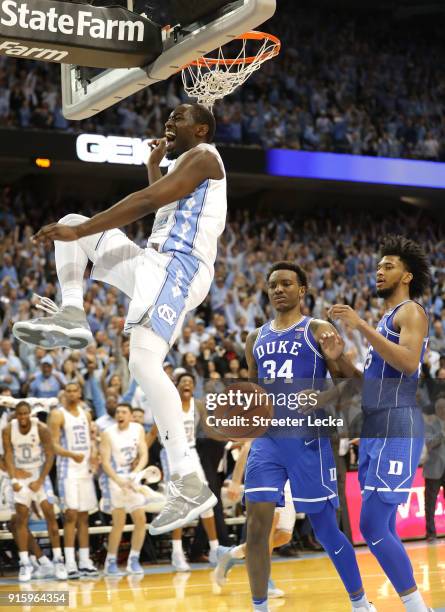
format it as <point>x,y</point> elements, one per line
<point>392,435</point>
<point>303,456</point>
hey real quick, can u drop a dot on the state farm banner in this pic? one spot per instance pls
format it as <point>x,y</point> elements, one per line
<point>410,516</point>
<point>81,34</point>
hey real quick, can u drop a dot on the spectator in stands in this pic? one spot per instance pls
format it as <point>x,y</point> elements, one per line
<point>434,465</point>
<point>48,382</point>
<point>12,373</point>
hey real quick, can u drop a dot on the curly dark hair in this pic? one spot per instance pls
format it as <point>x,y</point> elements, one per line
<point>413,258</point>
<point>293,267</point>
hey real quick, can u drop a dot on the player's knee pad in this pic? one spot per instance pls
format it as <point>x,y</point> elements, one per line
<point>73,219</point>
<point>147,354</point>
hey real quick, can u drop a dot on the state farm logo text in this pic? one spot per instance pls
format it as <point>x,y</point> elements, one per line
<point>80,23</point>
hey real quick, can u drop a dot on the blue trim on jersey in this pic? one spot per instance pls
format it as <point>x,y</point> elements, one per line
<point>183,234</point>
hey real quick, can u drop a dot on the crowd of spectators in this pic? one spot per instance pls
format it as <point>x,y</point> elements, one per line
<point>337,249</point>
<point>365,85</point>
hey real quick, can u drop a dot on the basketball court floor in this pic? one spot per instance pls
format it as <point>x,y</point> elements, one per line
<point>310,584</point>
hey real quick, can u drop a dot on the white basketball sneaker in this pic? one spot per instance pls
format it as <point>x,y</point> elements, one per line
<point>66,327</point>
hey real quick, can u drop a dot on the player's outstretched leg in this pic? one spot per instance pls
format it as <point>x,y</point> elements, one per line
<point>342,555</point>
<point>377,524</point>
<point>68,325</point>
<point>188,496</point>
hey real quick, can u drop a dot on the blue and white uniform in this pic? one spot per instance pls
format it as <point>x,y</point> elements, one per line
<point>29,456</point>
<point>124,445</point>
<point>75,480</point>
<point>304,457</point>
<point>393,430</point>
<point>173,274</point>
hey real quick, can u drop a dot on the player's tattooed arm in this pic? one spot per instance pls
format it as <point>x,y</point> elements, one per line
<point>413,325</point>
<point>48,451</point>
<point>196,166</point>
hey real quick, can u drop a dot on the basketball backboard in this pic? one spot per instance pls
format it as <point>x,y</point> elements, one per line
<point>84,98</point>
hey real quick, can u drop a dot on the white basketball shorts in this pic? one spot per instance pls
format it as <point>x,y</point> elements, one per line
<point>26,496</point>
<point>114,497</point>
<point>163,287</point>
<point>77,494</point>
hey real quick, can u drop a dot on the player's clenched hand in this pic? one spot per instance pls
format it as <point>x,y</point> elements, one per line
<point>35,486</point>
<point>345,314</point>
<point>16,487</point>
<point>158,149</point>
<point>56,231</point>
<point>78,457</point>
<point>332,345</point>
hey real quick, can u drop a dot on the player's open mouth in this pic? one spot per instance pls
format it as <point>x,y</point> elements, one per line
<point>170,136</point>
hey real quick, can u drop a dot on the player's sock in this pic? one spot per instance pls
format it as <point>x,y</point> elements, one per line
<point>414,602</point>
<point>360,601</point>
<point>213,545</point>
<point>110,557</point>
<point>57,554</point>
<point>338,547</point>
<point>239,552</point>
<point>24,558</point>
<point>84,557</point>
<point>177,547</point>
<point>134,553</point>
<point>147,354</point>
<point>44,560</point>
<point>260,605</point>
<point>69,555</point>
<point>71,263</point>
<point>376,526</point>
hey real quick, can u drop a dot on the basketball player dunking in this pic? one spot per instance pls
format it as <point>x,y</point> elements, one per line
<point>289,348</point>
<point>168,278</point>
<point>392,438</point>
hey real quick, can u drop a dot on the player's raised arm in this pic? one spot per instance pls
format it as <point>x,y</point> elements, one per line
<point>413,324</point>
<point>196,166</point>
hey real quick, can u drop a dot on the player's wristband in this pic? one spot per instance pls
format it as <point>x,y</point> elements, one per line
<point>14,481</point>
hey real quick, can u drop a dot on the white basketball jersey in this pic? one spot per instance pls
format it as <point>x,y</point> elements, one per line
<point>192,225</point>
<point>77,439</point>
<point>124,446</point>
<point>28,450</point>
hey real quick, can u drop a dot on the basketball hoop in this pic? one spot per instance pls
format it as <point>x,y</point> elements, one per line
<point>210,78</point>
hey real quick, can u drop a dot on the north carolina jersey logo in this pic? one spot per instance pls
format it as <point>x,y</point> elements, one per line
<point>167,313</point>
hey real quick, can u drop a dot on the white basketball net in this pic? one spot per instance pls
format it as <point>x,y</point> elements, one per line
<point>209,80</point>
